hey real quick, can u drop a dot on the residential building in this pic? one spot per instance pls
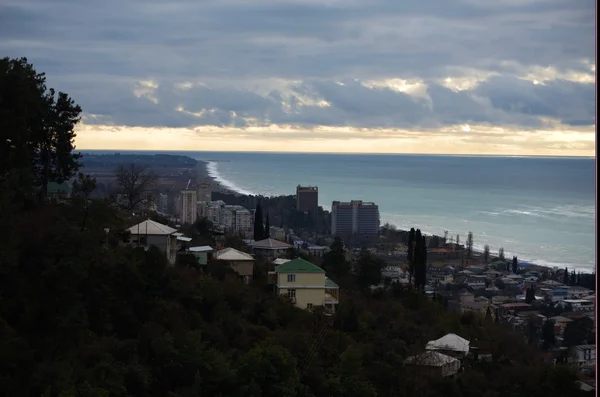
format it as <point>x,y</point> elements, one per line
<point>270,248</point>
<point>583,355</point>
<point>204,190</point>
<point>450,344</point>
<point>212,211</point>
<point>241,262</point>
<point>354,218</point>
<point>306,285</point>
<point>201,253</point>
<point>189,210</point>
<point>579,305</point>
<point>307,198</point>
<point>243,221</point>
<point>278,233</point>
<point>438,364</point>
<point>163,237</point>
<point>163,203</point>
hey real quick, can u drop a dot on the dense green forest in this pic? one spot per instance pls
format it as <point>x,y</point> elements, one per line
<point>81,315</point>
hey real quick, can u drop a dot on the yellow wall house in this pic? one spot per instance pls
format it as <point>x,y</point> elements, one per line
<point>306,285</point>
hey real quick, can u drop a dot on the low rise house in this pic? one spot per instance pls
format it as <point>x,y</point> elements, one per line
<point>241,262</point>
<point>553,284</point>
<point>306,285</point>
<point>436,363</point>
<point>476,283</point>
<point>203,254</point>
<point>270,248</point>
<point>451,345</point>
<point>151,233</point>
<point>582,355</point>
<point>579,305</point>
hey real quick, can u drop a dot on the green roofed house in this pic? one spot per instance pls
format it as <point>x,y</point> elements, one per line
<point>306,285</point>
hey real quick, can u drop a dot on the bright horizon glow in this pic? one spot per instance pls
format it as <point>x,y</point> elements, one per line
<point>557,142</point>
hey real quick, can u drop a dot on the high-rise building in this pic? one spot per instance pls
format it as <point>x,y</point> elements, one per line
<point>204,191</point>
<point>243,221</point>
<point>188,206</point>
<point>354,218</point>
<point>163,203</point>
<point>307,198</point>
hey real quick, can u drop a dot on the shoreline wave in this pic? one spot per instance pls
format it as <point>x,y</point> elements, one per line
<point>213,171</point>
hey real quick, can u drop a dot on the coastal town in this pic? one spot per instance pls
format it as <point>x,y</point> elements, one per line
<point>552,308</point>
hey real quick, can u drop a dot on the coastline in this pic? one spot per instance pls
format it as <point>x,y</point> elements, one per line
<point>204,174</point>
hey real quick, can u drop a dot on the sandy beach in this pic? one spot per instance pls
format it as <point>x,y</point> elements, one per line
<point>203,176</point>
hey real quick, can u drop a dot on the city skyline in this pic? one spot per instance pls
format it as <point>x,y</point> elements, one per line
<point>515,77</point>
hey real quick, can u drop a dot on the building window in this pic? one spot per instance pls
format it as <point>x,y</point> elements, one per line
<point>291,278</point>
<point>291,293</point>
<point>309,306</point>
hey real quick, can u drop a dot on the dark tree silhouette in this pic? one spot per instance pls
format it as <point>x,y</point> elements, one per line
<point>411,254</point>
<point>486,253</point>
<point>267,232</point>
<point>36,126</point>
<point>515,265</point>
<point>566,277</point>
<point>135,181</point>
<point>501,254</point>
<point>259,230</point>
<point>470,245</point>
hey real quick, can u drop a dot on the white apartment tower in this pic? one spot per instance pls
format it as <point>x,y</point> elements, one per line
<point>354,218</point>
<point>188,206</point>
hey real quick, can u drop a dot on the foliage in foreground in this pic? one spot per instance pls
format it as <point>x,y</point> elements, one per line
<point>82,316</point>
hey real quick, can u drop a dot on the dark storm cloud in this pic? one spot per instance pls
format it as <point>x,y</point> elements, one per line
<point>100,51</point>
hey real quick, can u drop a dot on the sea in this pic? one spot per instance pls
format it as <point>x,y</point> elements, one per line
<point>541,209</point>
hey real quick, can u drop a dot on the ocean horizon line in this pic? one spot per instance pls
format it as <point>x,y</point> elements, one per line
<point>472,155</point>
<point>212,171</point>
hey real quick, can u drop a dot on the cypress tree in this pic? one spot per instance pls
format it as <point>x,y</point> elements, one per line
<point>267,227</point>
<point>515,264</point>
<point>258,225</point>
<point>423,264</point>
<point>566,277</point>
<point>411,254</point>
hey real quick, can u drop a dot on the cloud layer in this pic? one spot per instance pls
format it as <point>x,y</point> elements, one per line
<point>316,66</point>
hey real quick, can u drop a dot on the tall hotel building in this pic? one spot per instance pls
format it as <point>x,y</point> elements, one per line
<point>307,198</point>
<point>189,208</point>
<point>354,218</point>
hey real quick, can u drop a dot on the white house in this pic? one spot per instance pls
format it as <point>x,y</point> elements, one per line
<point>583,355</point>
<point>450,344</point>
<point>163,237</point>
<point>442,364</point>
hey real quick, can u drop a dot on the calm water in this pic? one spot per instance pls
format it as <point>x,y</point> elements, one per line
<point>541,209</point>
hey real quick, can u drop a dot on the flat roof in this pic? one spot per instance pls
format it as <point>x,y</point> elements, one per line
<point>577,301</point>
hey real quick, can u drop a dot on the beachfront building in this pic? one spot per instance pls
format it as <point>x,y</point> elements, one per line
<point>150,233</point>
<point>188,207</point>
<point>305,284</point>
<point>354,218</point>
<point>241,262</point>
<point>307,199</point>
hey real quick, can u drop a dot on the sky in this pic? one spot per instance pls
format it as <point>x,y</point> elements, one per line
<point>513,77</point>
